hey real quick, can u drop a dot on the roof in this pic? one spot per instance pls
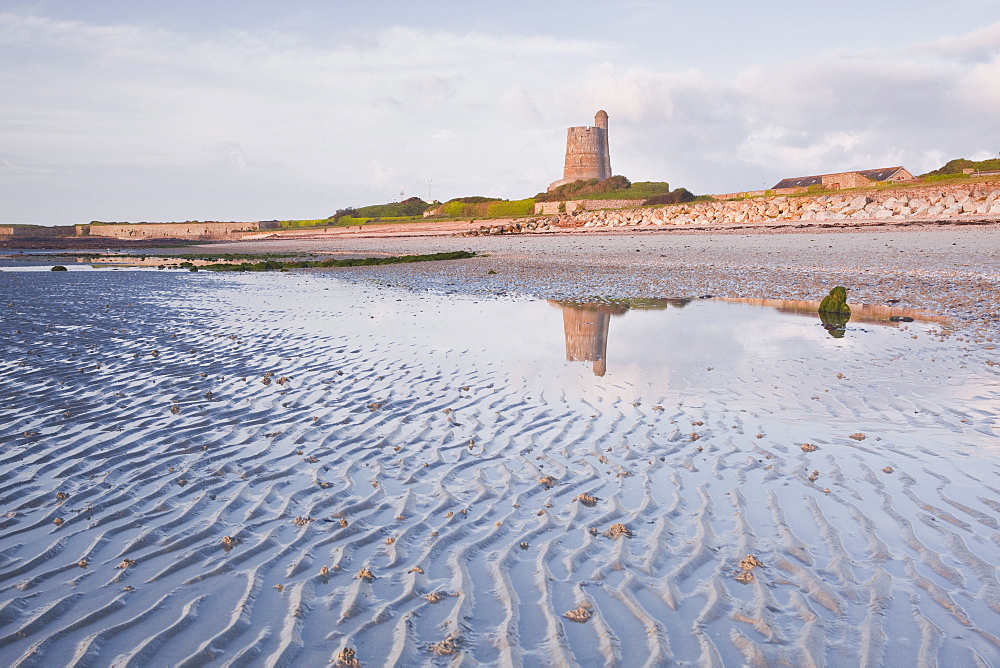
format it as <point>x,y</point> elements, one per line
<point>798,182</point>
<point>880,174</point>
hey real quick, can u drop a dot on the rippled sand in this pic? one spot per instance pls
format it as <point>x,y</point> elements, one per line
<point>261,469</point>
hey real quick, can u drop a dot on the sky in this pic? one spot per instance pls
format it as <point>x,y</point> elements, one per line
<point>249,110</point>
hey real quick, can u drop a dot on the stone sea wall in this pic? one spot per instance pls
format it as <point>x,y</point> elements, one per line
<point>982,199</point>
<point>35,231</point>
<point>201,231</point>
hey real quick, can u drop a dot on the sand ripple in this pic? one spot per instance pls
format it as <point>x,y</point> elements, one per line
<point>385,496</point>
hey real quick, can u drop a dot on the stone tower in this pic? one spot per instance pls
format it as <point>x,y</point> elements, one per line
<point>587,155</point>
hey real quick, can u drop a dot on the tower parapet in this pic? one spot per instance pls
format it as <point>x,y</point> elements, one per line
<point>587,154</point>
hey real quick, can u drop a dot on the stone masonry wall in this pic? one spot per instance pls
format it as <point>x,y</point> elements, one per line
<point>203,231</point>
<point>982,199</point>
<point>584,154</point>
<point>548,208</point>
<point>36,231</point>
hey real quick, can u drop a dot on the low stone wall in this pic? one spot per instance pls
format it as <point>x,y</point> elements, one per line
<point>35,231</point>
<point>929,202</point>
<point>201,231</point>
<point>550,208</point>
<point>746,194</point>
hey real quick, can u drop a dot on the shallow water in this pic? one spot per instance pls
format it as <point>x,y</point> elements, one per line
<point>425,422</point>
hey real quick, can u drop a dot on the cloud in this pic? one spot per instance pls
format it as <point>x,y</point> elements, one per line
<point>981,45</point>
<point>829,113</point>
<point>265,124</point>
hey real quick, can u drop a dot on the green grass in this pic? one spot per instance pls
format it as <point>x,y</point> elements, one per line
<point>640,190</point>
<point>937,178</point>
<point>615,187</point>
<point>482,207</point>
<point>290,224</point>
<point>277,265</point>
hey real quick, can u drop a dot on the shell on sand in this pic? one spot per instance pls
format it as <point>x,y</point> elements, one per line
<point>346,658</point>
<point>446,647</point>
<point>617,531</point>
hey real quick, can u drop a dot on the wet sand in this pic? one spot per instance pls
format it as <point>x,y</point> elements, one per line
<point>953,270</point>
<point>423,464</point>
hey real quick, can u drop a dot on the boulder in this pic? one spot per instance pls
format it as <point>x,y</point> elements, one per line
<point>836,302</point>
<point>860,202</point>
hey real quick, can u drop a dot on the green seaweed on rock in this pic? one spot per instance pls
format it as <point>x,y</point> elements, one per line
<point>836,302</point>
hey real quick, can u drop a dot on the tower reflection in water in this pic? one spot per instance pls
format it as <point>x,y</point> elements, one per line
<point>586,326</point>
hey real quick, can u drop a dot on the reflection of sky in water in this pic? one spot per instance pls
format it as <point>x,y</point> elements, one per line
<point>734,360</point>
<point>658,355</point>
<point>706,347</point>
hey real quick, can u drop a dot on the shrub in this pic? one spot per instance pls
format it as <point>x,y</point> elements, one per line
<point>59,267</point>
<point>581,189</point>
<point>408,208</point>
<point>349,211</point>
<point>676,196</point>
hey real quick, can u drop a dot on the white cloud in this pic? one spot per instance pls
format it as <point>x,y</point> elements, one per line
<point>264,124</point>
<point>826,114</point>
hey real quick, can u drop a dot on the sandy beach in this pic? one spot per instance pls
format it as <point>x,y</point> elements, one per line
<point>562,453</point>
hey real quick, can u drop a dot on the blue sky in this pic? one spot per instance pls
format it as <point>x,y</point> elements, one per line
<point>248,110</point>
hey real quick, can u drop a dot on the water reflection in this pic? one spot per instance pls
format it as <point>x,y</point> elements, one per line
<point>586,326</point>
<point>836,323</point>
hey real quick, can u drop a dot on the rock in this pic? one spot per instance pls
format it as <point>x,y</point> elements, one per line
<point>836,302</point>
<point>579,615</point>
<point>860,202</point>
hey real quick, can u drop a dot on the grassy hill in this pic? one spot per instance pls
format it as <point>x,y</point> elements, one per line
<point>617,187</point>
<point>954,168</point>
